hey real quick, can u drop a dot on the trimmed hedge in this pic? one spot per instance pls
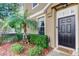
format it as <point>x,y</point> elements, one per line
<point>39,40</point>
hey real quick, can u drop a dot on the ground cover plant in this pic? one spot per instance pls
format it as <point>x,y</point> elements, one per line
<point>17,48</point>
<point>36,51</point>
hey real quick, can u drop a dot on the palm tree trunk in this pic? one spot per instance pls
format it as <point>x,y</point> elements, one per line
<point>25,30</point>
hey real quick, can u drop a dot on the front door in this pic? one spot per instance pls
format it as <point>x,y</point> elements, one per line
<point>66,31</point>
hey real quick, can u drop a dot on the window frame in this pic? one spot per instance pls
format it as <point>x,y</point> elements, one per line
<point>44,22</point>
<point>35,5</point>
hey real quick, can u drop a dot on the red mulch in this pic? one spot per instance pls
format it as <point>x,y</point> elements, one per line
<point>46,51</point>
<point>5,49</point>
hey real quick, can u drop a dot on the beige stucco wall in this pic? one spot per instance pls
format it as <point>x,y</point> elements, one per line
<point>31,11</point>
<point>51,23</point>
<point>50,26</point>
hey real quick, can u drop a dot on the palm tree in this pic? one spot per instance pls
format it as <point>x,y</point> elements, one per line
<point>4,26</point>
<point>19,22</point>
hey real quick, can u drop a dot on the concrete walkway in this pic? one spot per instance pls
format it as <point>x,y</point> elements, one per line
<point>55,53</point>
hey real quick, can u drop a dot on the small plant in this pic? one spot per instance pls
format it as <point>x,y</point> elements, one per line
<point>17,48</point>
<point>36,51</point>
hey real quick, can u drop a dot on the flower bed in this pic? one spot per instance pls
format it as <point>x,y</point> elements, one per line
<point>5,49</point>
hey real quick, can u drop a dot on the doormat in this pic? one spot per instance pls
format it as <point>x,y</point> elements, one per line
<point>56,53</point>
<point>67,51</point>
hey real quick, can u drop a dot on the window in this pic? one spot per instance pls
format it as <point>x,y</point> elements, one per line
<point>34,5</point>
<point>41,25</point>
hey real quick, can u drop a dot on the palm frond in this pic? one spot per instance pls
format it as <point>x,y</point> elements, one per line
<point>31,24</point>
<point>5,24</point>
<point>1,23</point>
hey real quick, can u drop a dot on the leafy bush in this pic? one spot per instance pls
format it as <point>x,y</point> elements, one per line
<point>11,38</point>
<point>37,50</point>
<point>39,40</point>
<point>19,36</point>
<point>17,48</point>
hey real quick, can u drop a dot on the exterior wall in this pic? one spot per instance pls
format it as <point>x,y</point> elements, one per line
<point>51,18</point>
<point>50,26</point>
<point>31,11</point>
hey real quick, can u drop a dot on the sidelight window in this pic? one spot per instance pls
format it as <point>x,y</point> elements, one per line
<point>41,25</point>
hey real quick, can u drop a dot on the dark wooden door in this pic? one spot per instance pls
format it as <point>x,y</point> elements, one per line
<point>66,31</point>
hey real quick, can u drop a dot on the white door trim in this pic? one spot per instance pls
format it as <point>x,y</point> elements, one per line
<point>75,8</point>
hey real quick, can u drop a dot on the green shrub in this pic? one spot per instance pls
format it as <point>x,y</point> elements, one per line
<point>9,38</point>
<point>17,48</point>
<point>36,51</point>
<point>39,40</point>
<point>19,36</point>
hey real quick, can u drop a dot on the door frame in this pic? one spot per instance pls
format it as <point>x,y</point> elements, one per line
<point>75,7</point>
